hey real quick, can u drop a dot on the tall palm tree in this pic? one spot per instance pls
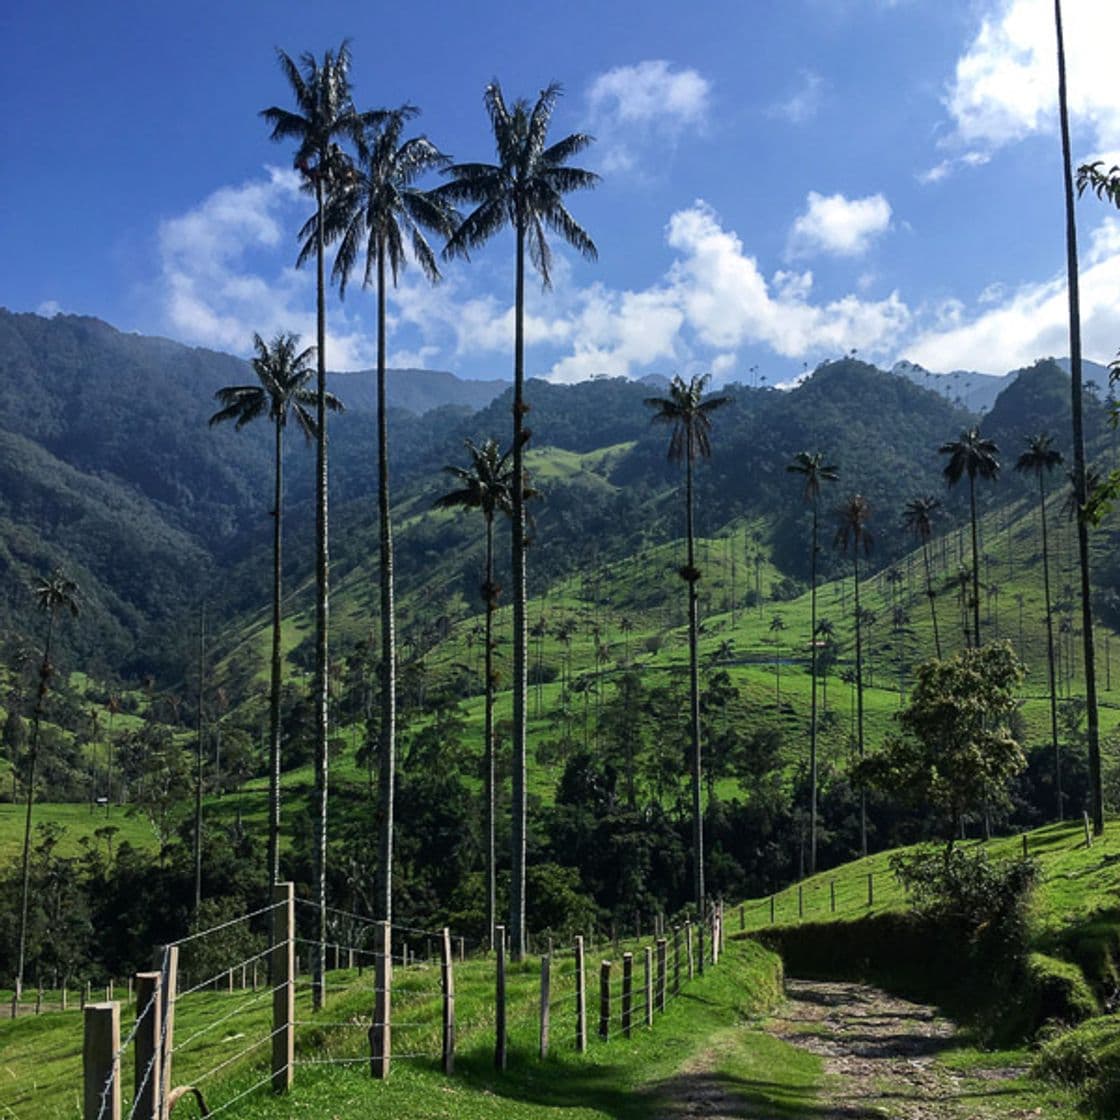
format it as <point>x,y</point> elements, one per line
<point>525,190</point>
<point>814,470</point>
<point>486,485</point>
<point>690,417</point>
<point>324,115</point>
<point>1080,481</point>
<point>975,456</point>
<point>852,535</point>
<point>918,518</point>
<point>56,594</point>
<point>377,210</point>
<point>283,373</point>
<point>777,625</point>
<point>1041,457</point>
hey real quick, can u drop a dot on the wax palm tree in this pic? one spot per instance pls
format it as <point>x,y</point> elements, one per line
<point>974,456</point>
<point>486,485</point>
<point>524,190</point>
<point>690,417</point>
<point>777,625</point>
<point>853,536</point>
<point>56,594</point>
<point>283,373</point>
<point>1106,187</point>
<point>814,470</point>
<point>377,211</point>
<point>324,115</point>
<point>918,518</point>
<point>1040,458</point>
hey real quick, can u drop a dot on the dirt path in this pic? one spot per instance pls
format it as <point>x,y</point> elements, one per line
<point>879,1054</point>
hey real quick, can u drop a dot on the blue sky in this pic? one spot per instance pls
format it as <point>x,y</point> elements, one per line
<point>782,183</point>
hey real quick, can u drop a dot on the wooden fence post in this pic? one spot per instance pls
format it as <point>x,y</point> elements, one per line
<point>715,935</point>
<point>101,1063</point>
<point>700,945</point>
<point>283,985</point>
<point>722,929</point>
<point>676,960</point>
<point>169,986</point>
<point>448,1002</point>
<point>581,999</point>
<point>39,1001</point>
<point>800,901</point>
<point>688,947</point>
<point>627,992</point>
<point>1088,830</point>
<point>546,1000</point>
<point>462,950</point>
<point>500,1000</point>
<point>149,1018</point>
<point>605,999</point>
<point>661,975</point>
<point>648,979</point>
<point>832,895</point>
<point>771,909</point>
<point>381,1032</point>
<point>870,889</point>
<point>742,917</point>
<point>1026,850</point>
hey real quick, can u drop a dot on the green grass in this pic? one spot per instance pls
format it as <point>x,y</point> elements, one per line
<point>39,1071</point>
<point>80,825</point>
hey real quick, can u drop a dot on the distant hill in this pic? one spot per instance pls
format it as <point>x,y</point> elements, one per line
<point>416,390</point>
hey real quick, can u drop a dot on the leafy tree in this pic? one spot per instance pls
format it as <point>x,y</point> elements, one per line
<point>852,535</point>
<point>918,518</point>
<point>377,209</point>
<point>814,470</point>
<point>282,375</point>
<point>486,485</point>
<point>325,114</point>
<point>1040,458</point>
<point>956,751</point>
<point>974,456</point>
<point>690,417</point>
<point>55,594</point>
<point>524,190</point>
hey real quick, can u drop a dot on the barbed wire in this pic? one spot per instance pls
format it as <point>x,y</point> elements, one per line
<point>256,998</point>
<point>226,925</point>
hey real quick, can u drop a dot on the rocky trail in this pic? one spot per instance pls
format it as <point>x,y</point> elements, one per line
<point>880,1058</point>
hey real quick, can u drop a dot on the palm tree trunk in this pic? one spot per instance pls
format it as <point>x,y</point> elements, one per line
<point>1050,652</point>
<point>930,596</point>
<point>975,565</point>
<point>387,772</point>
<point>491,851</point>
<point>322,613</point>
<point>813,702</point>
<point>859,702</point>
<point>32,759</point>
<point>694,696</point>
<point>198,761</point>
<point>518,779</point>
<point>1096,789</point>
<point>277,663</point>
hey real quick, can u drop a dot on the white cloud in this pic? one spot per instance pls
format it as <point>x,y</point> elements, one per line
<point>1005,84</point>
<point>1032,321</point>
<point>803,104</point>
<point>214,293</point>
<point>631,107</point>
<point>838,225</point>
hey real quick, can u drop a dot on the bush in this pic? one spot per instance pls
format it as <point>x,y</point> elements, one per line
<point>984,906</point>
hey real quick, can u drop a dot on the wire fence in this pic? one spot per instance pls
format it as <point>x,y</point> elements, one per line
<point>231,1011</point>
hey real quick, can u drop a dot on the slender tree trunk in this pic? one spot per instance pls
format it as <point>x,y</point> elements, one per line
<point>859,701</point>
<point>930,596</point>
<point>813,703</point>
<point>32,759</point>
<point>694,694</point>
<point>1050,652</point>
<point>488,731</point>
<point>388,771</point>
<point>1096,789</point>
<point>198,760</point>
<point>322,613</point>
<point>277,664</point>
<point>975,565</point>
<point>519,683</point>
